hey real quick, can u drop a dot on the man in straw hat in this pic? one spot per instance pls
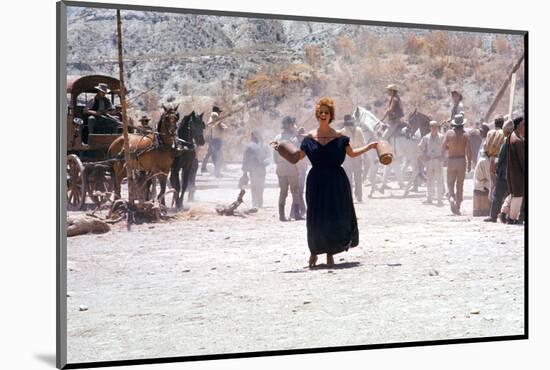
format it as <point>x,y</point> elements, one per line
<point>394,113</point>
<point>430,147</point>
<point>457,144</point>
<point>97,109</point>
<point>288,173</point>
<point>354,166</point>
<point>458,106</point>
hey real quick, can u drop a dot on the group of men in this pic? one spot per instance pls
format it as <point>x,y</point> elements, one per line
<point>499,175</point>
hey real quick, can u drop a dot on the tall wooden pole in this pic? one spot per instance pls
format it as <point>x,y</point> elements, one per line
<point>503,89</point>
<point>129,172</point>
<point>512,90</point>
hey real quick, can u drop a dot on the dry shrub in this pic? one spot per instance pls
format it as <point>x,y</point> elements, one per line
<point>464,46</point>
<point>268,87</point>
<point>501,45</point>
<point>370,45</point>
<point>313,55</point>
<point>415,45</point>
<point>439,43</point>
<point>150,101</point>
<point>345,47</point>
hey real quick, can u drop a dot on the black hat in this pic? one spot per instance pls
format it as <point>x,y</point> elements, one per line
<point>517,121</point>
<point>216,109</point>
<point>457,93</point>
<point>348,120</point>
<point>288,121</point>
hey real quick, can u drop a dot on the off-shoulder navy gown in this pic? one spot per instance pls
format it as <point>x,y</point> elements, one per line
<point>331,221</point>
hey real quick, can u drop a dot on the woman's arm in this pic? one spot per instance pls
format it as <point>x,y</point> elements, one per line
<point>359,151</point>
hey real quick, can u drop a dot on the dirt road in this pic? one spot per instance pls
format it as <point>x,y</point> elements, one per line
<point>208,284</point>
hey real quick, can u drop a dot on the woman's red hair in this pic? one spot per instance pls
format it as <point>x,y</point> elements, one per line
<point>327,102</point>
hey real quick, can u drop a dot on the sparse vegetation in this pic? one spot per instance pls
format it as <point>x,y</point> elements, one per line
<point>276,71</point>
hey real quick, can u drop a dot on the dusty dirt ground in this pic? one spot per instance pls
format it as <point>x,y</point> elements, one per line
<point>209,284</point>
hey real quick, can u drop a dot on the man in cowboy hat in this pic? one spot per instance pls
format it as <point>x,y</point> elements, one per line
<point>214,136</point>
<point>500,189</point>
<point>354,166</point>
<point>97,109</point>
<point>288,174</point>
<point>394,113</point>
<point>458,106</point>
<point>457,143</point>
<point>430,147</point>
<point>144,120</point>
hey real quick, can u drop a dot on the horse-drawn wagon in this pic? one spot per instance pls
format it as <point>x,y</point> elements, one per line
<point>89,172</point>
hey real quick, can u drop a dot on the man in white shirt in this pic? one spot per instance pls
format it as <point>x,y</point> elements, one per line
<point>354,166</point>
<point>430,147</point>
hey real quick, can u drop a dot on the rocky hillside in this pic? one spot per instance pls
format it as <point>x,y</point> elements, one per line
<point>280,67</point>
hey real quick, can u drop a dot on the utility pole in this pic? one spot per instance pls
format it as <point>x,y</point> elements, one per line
<point>129,169</point>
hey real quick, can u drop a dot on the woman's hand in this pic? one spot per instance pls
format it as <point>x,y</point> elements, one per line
<point>372,145</point>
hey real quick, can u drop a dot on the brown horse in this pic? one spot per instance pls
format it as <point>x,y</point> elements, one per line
<point>148,153</point>
<point>419,121</point>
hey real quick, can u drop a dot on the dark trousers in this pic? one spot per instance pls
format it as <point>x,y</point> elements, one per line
<point>501,192</point>
<point>206,158</point>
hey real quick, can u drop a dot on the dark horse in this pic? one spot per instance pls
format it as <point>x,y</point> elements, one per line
<point>151,152</point>
<point>190,133</point>
<point>419,121</point>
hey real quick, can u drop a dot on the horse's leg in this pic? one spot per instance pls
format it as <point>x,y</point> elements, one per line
<point>117,172</point>
<point>193,178</point>
<point>175,182</point>
<point>185,174</point>
<point>162,179</point>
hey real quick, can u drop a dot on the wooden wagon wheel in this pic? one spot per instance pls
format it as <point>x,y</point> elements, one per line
<point>76,183</point>
<point>100,183</point>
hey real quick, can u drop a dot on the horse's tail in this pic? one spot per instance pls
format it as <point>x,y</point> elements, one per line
<point>112,148</point>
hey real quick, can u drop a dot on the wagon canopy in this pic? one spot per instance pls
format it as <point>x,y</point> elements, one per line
<point>77,85</point>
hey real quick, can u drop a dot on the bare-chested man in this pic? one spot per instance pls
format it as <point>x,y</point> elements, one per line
<point>457,143</point>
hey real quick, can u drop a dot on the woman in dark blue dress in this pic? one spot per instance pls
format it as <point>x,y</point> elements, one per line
<point>331,220</point>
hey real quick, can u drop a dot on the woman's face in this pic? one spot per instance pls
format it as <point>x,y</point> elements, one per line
<point>324,114</point>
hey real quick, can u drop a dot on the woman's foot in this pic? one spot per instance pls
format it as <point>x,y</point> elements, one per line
<point>312,260</point>
<point>330,260</point>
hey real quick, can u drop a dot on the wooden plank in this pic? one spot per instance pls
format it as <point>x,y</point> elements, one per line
<point>503,89</point>
<point>512,90</point>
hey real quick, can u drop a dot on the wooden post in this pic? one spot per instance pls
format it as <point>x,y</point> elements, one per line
<point>503,89</point>
<point>129,169</point>
<point>512,90</point>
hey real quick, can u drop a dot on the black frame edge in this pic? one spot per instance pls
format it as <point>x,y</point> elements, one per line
<point>226,356</point>
<point>61,242</point>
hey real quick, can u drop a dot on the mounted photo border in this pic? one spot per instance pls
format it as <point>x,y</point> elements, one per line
<point>61,214</point>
